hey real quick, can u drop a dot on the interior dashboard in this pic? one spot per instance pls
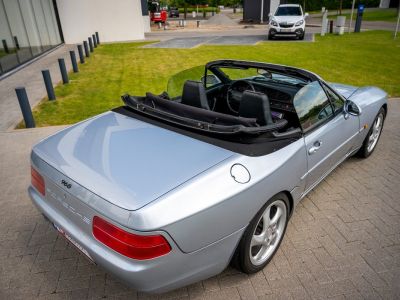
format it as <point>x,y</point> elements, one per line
<point>281,98</point>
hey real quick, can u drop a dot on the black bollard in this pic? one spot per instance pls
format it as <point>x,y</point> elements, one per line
<point>90,44</point>
<point>16,43</point>
<point>63,70</point>
<point>5,46</point>
<point>81,57</point>
<point>97,38</point>
<point>94,41</point>
<point>85,46</point>
<point>73,61</point>
<point>48,84</point>
<point>25,107</point>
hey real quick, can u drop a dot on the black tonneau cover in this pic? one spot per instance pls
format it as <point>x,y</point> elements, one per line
<point>250,145</point>
<point>240,135</point>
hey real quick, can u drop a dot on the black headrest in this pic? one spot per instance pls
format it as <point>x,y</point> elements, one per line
<point>255,105</point>
<point>194,94</point>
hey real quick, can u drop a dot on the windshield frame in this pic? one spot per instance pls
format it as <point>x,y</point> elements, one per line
<point>303,76</point>
<point>279,77</point>
<point>300,74</point>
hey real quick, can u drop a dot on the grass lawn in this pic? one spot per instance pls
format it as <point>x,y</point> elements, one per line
<point>368,58</point>
<point>383,14</point>
<point>2,53</point>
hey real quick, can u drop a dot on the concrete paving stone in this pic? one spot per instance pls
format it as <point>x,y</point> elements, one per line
<point>260,284</point>
<point>246,292</point>
<point>72,284</point>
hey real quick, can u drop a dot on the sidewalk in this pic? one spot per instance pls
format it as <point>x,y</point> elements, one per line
<point>30,78</point>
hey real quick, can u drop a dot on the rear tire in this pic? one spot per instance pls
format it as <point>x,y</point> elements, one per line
<point>372,138</point>
<point>263,235</point>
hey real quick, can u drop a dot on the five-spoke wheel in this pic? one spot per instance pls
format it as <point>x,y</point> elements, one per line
<point>372,138</point>
<point>268,233</point>
<point>263,235</point>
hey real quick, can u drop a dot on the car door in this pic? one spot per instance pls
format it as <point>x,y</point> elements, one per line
<point>327,133</point>
<point>345,128</point>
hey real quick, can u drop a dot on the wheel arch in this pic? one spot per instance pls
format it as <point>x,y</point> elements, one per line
<point>291,202</point>
<point>384,106</point>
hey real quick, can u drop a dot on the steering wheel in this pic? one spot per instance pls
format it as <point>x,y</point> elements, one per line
<point>235,92</point>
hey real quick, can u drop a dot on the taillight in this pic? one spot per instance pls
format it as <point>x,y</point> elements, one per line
<point>129,244</point>
<point>37,181</point>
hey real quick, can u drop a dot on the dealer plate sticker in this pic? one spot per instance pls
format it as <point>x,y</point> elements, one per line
<point>286,30</point>
<point>73,242</point>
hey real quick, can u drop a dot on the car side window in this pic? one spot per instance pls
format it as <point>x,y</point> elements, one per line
<point>312,105</point>
<point>336,101</point>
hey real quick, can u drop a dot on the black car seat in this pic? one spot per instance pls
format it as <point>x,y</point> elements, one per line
<point>194,94</point>
<point>256,105</point>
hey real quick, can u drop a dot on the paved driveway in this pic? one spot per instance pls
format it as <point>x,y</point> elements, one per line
<point>343,240</point>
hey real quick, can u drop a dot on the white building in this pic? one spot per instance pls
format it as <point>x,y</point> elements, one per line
<point>30,27</point>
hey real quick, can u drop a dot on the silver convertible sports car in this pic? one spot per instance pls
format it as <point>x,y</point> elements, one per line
<point>169,189</point>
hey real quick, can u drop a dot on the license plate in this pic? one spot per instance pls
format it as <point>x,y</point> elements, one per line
<point>73,242</point>
<point>286,30</point>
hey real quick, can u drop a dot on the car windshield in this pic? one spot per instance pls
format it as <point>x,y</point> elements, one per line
<point>288,11</point>
<point>259,75</point>
<point>176,82</point>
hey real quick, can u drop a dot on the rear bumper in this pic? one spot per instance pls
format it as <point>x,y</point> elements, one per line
<point>173,270</point>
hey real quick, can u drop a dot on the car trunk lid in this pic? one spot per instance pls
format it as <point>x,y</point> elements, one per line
<point>126,161</point>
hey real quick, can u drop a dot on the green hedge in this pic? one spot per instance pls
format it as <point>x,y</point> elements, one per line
<point>201,9</point>
<point>316,5</point>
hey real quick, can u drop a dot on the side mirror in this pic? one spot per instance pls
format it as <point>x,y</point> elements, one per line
<point>351,108</point>
<point>306,15</point>
<point>210,80</point>
<point>270,15</point>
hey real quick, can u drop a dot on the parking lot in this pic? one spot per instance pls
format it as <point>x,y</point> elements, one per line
<point>343,241</point>
<point>191,42</point>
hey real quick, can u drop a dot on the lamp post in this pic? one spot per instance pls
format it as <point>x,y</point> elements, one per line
<point>398,20</point>
<point>262,12</point>
<point>351,16</point>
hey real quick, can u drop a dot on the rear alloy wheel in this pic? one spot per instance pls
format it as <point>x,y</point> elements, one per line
<point>263,236</point>
<point>372,138</point>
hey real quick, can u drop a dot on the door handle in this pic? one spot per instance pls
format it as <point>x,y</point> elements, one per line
<point>315,147</point>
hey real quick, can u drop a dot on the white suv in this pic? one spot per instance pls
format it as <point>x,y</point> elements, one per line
<point>288,20</point>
